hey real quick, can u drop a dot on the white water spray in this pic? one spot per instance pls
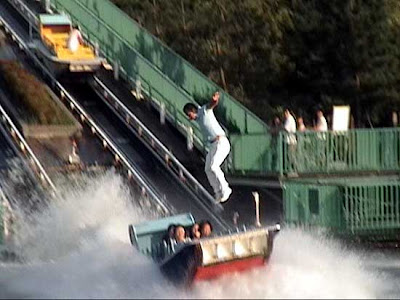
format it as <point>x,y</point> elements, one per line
<point>79,247</point>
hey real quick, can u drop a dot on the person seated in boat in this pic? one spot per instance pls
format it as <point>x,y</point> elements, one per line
<point>180,234</point>
<point>170,235</point>
<point>195,231</point>
<point>75,39</point>
<point>205,228</point>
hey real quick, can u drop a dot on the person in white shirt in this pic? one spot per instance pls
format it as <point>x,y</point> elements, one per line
<point>74,39</point>
<point>289,126</point>
<point>218,145</point>
<point>322,125</point>
<point>321,147</point>
<point>300,125</point>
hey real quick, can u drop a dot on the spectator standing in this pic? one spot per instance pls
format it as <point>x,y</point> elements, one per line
<point>321,142</point>
<point>289,126</point>
<point>321,125</point>
<point>300,125</point>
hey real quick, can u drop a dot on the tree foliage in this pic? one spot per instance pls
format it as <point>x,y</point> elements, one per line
<point>302,54</point>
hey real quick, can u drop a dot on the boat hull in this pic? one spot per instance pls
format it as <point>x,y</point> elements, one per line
<point>206,258</point>
<point>61,66</point>
<point>240,265</point>
<point>188,264</point>
<point>181,268</point>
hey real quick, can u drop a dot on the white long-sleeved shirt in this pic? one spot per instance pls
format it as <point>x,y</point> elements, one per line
<point>290,126</point>
<point>322,125</point>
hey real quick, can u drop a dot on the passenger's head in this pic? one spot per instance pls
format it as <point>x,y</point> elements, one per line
<point>190,110</point>
<point>320,113</point>
<point>195,231</point>
<point>171,230</point>
<point>300,120</point>
<point>180,233</point>
<point>205,228</point>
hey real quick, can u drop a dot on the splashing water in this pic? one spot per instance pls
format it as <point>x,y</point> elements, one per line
<point>78,247</point>
<point>303,266</point>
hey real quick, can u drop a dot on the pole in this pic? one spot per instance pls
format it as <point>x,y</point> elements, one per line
<point>189,138</point>
<point>116,70</point>
<point>162,113</point>
<point>257,201</point>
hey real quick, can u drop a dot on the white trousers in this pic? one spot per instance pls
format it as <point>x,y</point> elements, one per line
<point>216,155</point>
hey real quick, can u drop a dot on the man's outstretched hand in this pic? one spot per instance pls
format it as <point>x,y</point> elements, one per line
<point>214,100</point>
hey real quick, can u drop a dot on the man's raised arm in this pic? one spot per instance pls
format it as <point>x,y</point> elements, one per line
<point>214,100</point>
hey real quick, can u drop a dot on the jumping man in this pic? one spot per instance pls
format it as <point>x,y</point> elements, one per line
<point>218,145</point>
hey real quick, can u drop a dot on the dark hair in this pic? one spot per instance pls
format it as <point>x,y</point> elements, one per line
<point>166,236</point>
<point>171,226</point>
<point>203,223</point>
<point>189,107</point>
<point>191,234</point>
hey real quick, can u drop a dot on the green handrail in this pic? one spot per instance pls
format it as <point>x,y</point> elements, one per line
<point>347,151</point>
<point>357,206</point>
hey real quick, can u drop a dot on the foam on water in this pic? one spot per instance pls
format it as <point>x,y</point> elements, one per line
<point>78,247</point>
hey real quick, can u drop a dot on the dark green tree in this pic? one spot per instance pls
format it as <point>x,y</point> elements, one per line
<point>302,54</point>
<point>345,52</point>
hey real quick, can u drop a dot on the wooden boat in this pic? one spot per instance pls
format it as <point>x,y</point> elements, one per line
<point>204,258</point>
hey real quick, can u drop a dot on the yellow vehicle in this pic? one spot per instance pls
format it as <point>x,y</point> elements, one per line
<point>52,47</point>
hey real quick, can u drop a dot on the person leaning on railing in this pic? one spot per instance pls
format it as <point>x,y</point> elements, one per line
<point>290,141</point>
<point>275,128</point>
<point>321,124</point>
<point>300,125</point>
<point>321,127</point>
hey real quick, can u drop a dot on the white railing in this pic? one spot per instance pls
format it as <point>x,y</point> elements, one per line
<point>25,11</point>
<point>23,145</point>
<point>147,190</point>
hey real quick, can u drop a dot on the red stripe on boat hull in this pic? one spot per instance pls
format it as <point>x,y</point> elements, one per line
<point>240,265</point>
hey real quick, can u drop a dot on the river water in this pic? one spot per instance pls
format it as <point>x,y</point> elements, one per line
<point>78,247</point>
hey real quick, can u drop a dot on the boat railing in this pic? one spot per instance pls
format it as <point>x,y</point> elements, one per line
<point>49,43</point>
<point>161,250</point>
